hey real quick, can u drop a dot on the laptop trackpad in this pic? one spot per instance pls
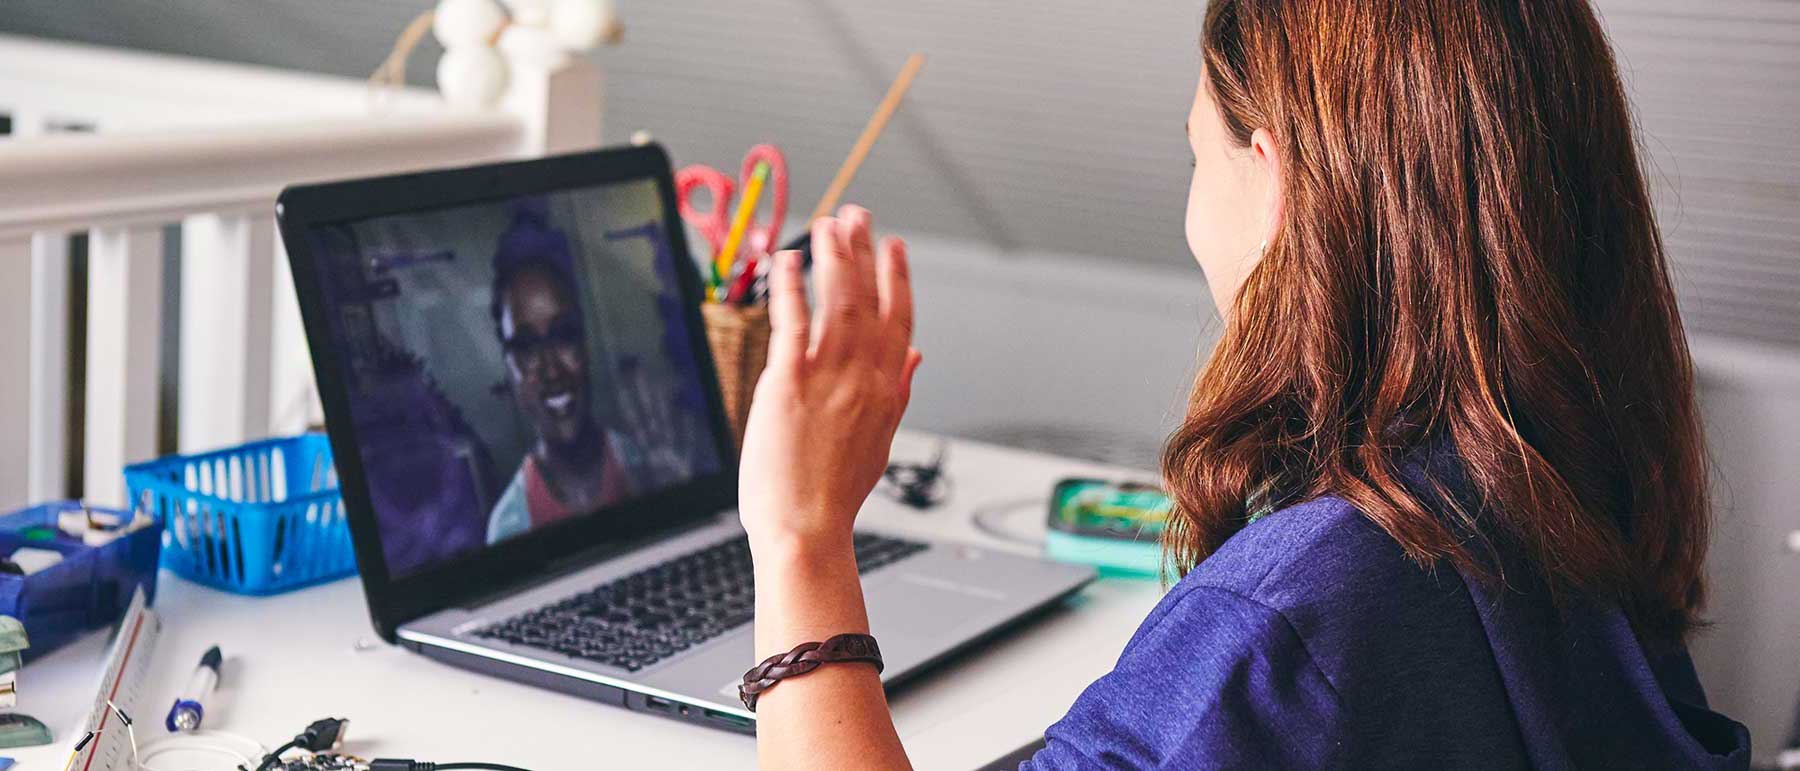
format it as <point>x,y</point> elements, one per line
<point>917,615</point>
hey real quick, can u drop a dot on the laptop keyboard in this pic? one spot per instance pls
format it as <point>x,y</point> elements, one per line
<point>640,619</point>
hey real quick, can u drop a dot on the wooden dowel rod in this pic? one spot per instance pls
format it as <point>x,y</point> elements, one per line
<point>870,133</point>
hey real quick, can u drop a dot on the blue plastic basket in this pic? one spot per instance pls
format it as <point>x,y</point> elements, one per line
<point>258,518</point>
<point>91,586</point>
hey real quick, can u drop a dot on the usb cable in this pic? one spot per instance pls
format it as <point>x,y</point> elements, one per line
<point>320,736</point>
<point>408,764</point>
<point>328,734</point>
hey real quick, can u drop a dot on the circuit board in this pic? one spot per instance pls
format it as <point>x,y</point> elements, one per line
<point>322,762</point>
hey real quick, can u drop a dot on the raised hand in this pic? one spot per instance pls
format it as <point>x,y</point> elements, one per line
<point>838,379</point>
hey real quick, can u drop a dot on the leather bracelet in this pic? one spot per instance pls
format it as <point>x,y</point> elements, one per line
<point>805,658</point>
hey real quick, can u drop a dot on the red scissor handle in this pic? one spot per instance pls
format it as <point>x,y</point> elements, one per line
<point>713,222</point>
<point>764,238</point>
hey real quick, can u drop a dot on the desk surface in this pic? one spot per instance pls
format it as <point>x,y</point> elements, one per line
<point>296,657</point>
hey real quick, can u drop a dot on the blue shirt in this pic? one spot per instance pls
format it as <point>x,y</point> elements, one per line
<point>1310,641</point>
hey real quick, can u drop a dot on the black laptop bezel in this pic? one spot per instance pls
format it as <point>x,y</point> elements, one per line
<point>393,601</point>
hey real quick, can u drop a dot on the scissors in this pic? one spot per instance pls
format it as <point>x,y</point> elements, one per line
<point>714,221</point>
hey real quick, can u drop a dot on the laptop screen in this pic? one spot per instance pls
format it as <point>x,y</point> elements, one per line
<point>512,365</point>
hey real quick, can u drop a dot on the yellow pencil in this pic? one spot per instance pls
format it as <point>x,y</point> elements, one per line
<point>739,224</point>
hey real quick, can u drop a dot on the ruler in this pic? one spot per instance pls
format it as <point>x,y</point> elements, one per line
<point>126,665</point>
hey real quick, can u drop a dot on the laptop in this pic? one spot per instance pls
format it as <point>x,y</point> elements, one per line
<point>536,466</point>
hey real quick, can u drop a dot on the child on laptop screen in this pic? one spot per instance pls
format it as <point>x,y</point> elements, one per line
<point>576,464</point>
<point>513,364</point>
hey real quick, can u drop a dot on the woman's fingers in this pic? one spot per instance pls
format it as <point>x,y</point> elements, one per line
<point>893,279</point>
<point>789,319</point>
<point>911,367</point>
<point>847,303</point>
<point>856,231</point>
<point>829,279</point>
<point>855,223</point>
<point>864,304</point>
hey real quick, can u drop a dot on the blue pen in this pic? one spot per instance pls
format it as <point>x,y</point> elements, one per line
<point>186,714</point>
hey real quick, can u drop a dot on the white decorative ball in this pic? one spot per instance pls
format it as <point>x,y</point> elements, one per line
<point>464,23</point>
<point>471,76</point>
<point>532,47</point>
<point>583,25</point>
<point>531,13</point>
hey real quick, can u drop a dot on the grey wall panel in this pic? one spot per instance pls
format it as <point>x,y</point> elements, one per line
<point>1026,131</point>
<point>1716,87</point>
<point>1049,126</point>
<point>1054,126</point>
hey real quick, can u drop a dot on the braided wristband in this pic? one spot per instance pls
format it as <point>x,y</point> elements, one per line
<point>805,658</point>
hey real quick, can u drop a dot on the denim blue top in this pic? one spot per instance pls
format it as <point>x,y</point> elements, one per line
<point>1310,641</point>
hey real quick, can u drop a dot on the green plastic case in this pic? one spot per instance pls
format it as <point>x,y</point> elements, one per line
<point>1115,526</point>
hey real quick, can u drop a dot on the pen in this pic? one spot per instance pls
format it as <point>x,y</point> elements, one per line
<point>186,714</point>
<point>744,279</point>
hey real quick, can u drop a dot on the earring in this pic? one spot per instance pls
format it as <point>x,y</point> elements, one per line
<point>1263,247</point>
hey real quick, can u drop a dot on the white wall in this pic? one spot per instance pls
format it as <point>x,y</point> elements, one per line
<point>1031,348</point>
<point>1750,659</point>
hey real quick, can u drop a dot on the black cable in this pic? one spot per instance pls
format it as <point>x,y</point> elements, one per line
<point>321,735</point>
<point>919,485</point>
<point>328,733</point>
<point>488,766</point>
<point>274,757</point>
<point>408,764</point>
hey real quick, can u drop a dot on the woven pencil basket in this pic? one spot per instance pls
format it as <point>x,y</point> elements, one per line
<point>740,346</point>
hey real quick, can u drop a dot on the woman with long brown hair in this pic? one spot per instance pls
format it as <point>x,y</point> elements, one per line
<point>1441,489</point>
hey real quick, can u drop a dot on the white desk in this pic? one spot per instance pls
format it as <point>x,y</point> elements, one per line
<point>296,657</point>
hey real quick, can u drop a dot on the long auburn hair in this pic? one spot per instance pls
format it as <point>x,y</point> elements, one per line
<point>1467,259</point>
